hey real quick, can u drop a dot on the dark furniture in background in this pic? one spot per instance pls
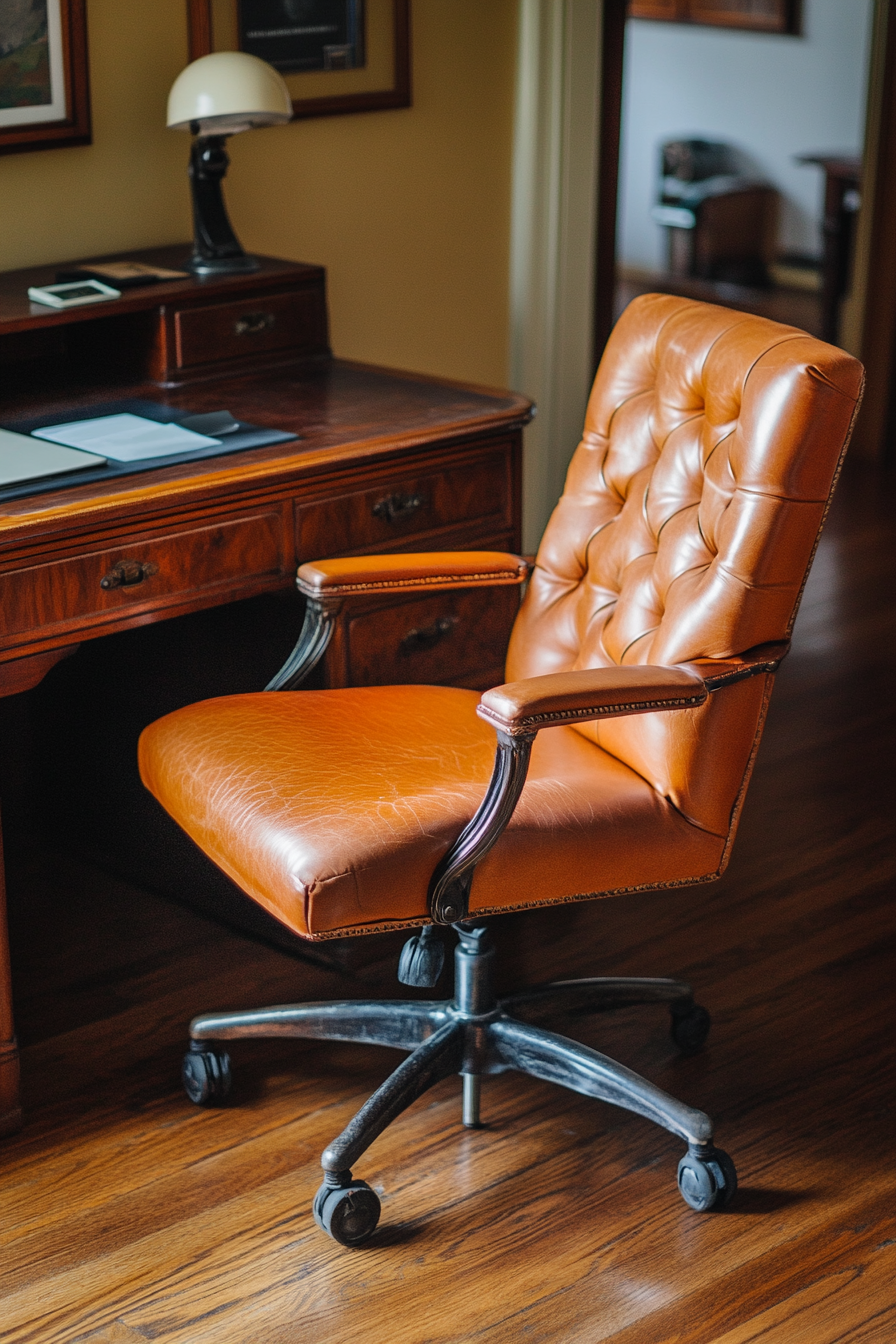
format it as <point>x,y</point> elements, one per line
<point>763,16</point>
<point>721,224</point>
<point>842,200</point>
<point>382,460</point>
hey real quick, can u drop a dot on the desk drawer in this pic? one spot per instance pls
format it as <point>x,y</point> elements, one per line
<point>154,571</point>
<point>443,638</point>
<point>259,326</point>
<point>404,509</point>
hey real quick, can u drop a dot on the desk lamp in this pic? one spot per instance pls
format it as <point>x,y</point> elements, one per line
<point>214,97</point>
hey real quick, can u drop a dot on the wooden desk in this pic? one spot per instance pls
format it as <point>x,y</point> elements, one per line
<point>383,461</point>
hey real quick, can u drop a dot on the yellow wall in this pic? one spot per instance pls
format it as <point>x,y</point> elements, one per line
<point>409,210</point>
<point>127,188</point>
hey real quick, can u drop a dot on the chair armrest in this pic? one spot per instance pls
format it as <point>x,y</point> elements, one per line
<point>523,707</point>
<point>330,580</point>
<point>719,672</point>
<point>518,710</point>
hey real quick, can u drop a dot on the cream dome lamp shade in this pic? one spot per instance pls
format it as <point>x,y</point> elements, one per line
<point>227,92</point>
<point>216,96</point>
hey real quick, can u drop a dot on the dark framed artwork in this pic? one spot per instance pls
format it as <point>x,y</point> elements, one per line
<point>337,56</point>
<point>757,16</point>
<point>300,35</point>
<point>44,87</point>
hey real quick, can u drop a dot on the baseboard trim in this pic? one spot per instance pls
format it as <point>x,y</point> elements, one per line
<point>10,1103</point>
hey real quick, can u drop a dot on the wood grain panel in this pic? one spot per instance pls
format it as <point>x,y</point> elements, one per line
<point>409,507</point>
<point>446,638</point>
<point>252,327</point>
<point>43,597</point>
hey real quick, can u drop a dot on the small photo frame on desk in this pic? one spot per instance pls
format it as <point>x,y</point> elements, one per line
<point>337,56</point>
<point>44,87</point>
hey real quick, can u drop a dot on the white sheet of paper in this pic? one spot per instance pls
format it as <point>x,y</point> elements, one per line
<point>126,438</point>
<point>21,459</point>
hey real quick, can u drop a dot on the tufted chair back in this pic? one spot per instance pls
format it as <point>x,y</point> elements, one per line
<point>691,512</point>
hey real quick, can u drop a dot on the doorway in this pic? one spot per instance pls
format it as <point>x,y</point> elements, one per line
<point>740,167</point>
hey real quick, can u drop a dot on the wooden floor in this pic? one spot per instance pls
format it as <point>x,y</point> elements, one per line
<point>794,307</point>
<point>128,1215</point>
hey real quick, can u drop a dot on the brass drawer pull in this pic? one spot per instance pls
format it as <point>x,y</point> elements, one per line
<point>427,636</point>
<point>396,507</point>
<point>250,324</point>
<point>128,573</point>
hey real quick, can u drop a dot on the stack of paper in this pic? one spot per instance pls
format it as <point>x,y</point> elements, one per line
<point>126,438</point>
<point>25,459</point>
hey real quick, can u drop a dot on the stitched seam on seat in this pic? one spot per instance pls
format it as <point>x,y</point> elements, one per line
<point>723,439</point>
<point>739,322</point>
<point>642,391</point>
<point>765,494</point>
<point>689,420</point>
<point>752,586</point>
<point>695,504</point>
<point>387,926</point>
<point>773,345</point>
<point>643,635</point>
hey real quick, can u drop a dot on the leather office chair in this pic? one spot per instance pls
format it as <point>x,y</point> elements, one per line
<point>639,672</point>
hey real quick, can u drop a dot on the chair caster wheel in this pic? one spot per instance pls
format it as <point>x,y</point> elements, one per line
<point>206,1075</point>
<point>690,1027</point>
<point>708,1181</point>
<point>347,1212</point>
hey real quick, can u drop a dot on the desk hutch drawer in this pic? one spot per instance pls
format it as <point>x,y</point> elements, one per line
<point>261,326</point>
<point>154,571</point>
<point>405,509</point>
<point>443,638</point>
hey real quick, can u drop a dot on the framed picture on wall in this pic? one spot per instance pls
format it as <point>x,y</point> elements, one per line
<point>302,35</point>
<point>336,56</point>
<point>44,89</point>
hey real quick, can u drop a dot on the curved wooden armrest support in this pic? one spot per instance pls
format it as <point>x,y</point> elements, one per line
<point>315,635</point>
<point>449,887</point>
<point>434,571</point>
<point>326,584</point>
<point>594,693</point>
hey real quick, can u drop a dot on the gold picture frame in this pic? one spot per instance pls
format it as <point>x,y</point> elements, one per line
<point>44,83</point>
<point>383,82</point>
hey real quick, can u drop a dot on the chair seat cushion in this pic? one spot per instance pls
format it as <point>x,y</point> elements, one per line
<point>332,808</point>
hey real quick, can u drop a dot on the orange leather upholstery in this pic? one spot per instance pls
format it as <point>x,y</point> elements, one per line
<point>691,513</point>
<point>690,516</point>
<point>332,808</point>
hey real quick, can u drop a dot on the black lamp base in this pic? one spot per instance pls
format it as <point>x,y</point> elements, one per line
<point>216,248</point>
<point>239,265</point>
